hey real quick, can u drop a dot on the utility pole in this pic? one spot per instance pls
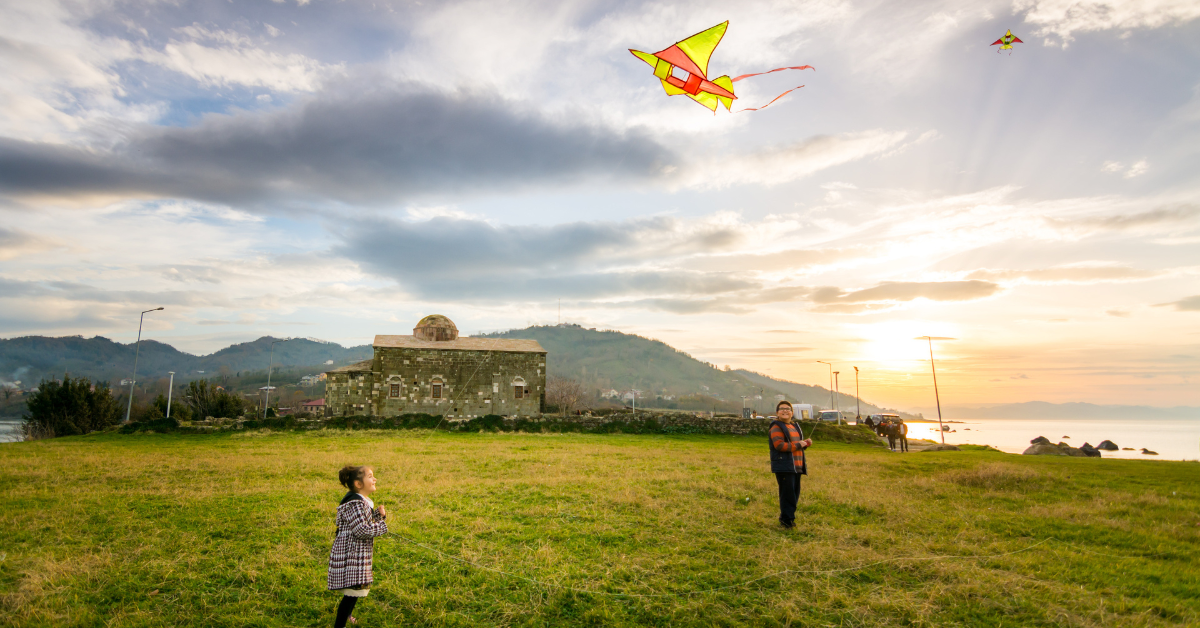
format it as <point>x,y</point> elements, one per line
<point>838,396</point>
<point>857,399</point>
<point>936,396</point>
<point>136,352</point>
<point>170,389</point>
<point>270,365</point>
<point>830,381</point>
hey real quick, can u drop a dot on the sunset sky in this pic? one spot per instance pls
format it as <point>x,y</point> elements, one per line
<point>340,169</point>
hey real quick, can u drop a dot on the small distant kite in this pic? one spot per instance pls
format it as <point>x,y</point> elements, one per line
<point>1006,42</point>
<point>691,57</point>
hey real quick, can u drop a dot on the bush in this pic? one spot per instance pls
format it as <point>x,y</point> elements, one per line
<point>73,406</point>
<point>161,424</point>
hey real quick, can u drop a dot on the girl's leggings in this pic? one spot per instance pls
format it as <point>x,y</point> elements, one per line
<point>344,609</point>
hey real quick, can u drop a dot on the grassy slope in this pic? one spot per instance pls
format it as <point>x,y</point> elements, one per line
<point>234,530</point>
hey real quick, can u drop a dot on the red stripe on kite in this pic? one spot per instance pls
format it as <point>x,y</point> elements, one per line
<point>798,67</point>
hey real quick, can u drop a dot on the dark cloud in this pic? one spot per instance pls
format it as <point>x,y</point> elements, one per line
<point>1123,222</point>
<point>354,144</point>
<point>1186,304</point>
<point>445,258</point>
<point>78,292</point>
<point>907,291</point>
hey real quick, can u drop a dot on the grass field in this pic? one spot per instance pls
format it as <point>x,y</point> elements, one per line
<point>235,530</point>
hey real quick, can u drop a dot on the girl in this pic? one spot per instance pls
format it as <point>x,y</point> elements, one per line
<point>358,523</point>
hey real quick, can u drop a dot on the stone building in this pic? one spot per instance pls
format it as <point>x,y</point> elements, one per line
<point>433,371</point>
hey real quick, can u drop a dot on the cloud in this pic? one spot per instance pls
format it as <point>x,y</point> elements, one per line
<point>1137,169</point>
<point>1064,18</point>
<point>1186,304</point>
<point>1019,376</point>
<point>777,165</point>
<point>1080,273</point>
<point>1118,313</point>
<point>1166,216</point>
<point>15,242</point>
<point>907,291</point>
<point>376,146</point>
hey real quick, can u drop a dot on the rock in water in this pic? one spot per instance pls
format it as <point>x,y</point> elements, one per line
<point>1148,452</point>
<point>1107,445</point>
<point>1128,449</point>
<point>1043,450</point>
<point>1066,437</point>
<point>1090,451</point>
<point>1040,440</point>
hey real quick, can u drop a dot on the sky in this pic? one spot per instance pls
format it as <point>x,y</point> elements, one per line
<point>337,170</point>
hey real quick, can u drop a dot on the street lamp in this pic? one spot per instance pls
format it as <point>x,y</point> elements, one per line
<point>137,350</point>
<point>936,396</point>
<point>838,406</point>
<point>270,365</point>
<point>857,399</point>
<point>170,389</point>
<point>830,381</point>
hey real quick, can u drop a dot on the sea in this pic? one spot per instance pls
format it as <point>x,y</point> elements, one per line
<point>10,431</point>
<point>1172,438</point>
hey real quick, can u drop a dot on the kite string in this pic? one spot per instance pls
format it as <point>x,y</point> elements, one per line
<point>460,394</point>
<point>564,587</point>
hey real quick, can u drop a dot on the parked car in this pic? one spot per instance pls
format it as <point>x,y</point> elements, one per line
<point>829,415</point>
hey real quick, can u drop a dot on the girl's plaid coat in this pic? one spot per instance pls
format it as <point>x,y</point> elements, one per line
<point>350,558</point>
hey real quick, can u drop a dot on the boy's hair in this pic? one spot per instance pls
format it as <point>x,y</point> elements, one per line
<point>351,474</point>
<point>784,403</point>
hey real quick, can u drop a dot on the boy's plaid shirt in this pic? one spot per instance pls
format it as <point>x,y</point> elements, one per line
<point>791,443</point>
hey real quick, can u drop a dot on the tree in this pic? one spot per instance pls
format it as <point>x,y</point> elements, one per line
<point>206,401</point>
<point>73,406</point>
<point>565,393</point>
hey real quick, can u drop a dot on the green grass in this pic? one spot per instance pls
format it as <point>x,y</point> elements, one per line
<point>235,529</point>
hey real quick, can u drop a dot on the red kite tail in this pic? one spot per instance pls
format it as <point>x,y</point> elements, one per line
<point>772,101</point>
<point>798,67</point>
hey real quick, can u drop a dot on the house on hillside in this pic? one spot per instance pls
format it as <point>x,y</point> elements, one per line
<point>316,406</point>
<point>610,394</point>
<point>433,371</point>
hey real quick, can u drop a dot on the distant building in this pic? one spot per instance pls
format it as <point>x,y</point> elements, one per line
<point>316,406</point>
<point>435,372</point>
<point>610,394</point>
<point>311,380</point>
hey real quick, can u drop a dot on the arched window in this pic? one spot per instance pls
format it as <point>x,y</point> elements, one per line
<point>520,390</point>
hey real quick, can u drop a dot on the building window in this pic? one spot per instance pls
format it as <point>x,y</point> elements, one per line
<point>518,392</point>
<point>395,390</point>
<point>437,390</point>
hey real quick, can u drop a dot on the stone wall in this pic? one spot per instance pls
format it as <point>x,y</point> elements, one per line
<point>472,384</point>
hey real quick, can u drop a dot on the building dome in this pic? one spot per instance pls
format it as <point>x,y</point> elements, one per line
<point>435,327</point>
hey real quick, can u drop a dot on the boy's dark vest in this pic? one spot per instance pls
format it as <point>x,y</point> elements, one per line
<point>781,461</point>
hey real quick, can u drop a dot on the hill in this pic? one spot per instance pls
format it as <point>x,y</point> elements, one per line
<point>607,359</point>
<point>30,359</point>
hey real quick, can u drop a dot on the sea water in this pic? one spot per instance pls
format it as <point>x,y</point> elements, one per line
<point>1173,439</point>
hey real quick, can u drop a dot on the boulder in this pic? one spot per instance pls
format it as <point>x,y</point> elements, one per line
<point>1043,450</point>
<point>1107,445</point>
<point>1040,440</point>
<point>1128,449</point>
<point>1148,452</point>
<point>1072,451</point>
<point>1089,451</point>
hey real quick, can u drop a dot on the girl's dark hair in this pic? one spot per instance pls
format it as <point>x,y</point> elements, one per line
<point>784,403</point>
<point>350,474</point>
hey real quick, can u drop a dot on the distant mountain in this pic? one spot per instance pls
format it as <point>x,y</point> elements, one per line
<point>32,358</point>
<point>818,396</point>
<point>604,360</point>
<point>1074,410</point>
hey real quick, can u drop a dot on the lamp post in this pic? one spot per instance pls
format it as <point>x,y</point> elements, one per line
<point>270,365</point>
<point>137,350</point>
<point>857,399</point>
<point>933,368</point>
<point>830,381</point>
<point>170,389</point>
<point>838,396</point>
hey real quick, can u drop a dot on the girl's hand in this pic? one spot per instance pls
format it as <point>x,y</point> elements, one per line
<point>382,510</point>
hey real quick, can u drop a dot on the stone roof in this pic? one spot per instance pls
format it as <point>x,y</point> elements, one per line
<point>460,344</point>
<point>357,367</point>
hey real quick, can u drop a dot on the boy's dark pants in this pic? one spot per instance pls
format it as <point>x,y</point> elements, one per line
<point>892,441</point>
<point>789,494</point>
<point>903,443</point>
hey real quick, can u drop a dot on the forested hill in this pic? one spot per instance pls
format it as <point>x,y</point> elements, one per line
<point>613,360</point>
<point>33,358</point>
